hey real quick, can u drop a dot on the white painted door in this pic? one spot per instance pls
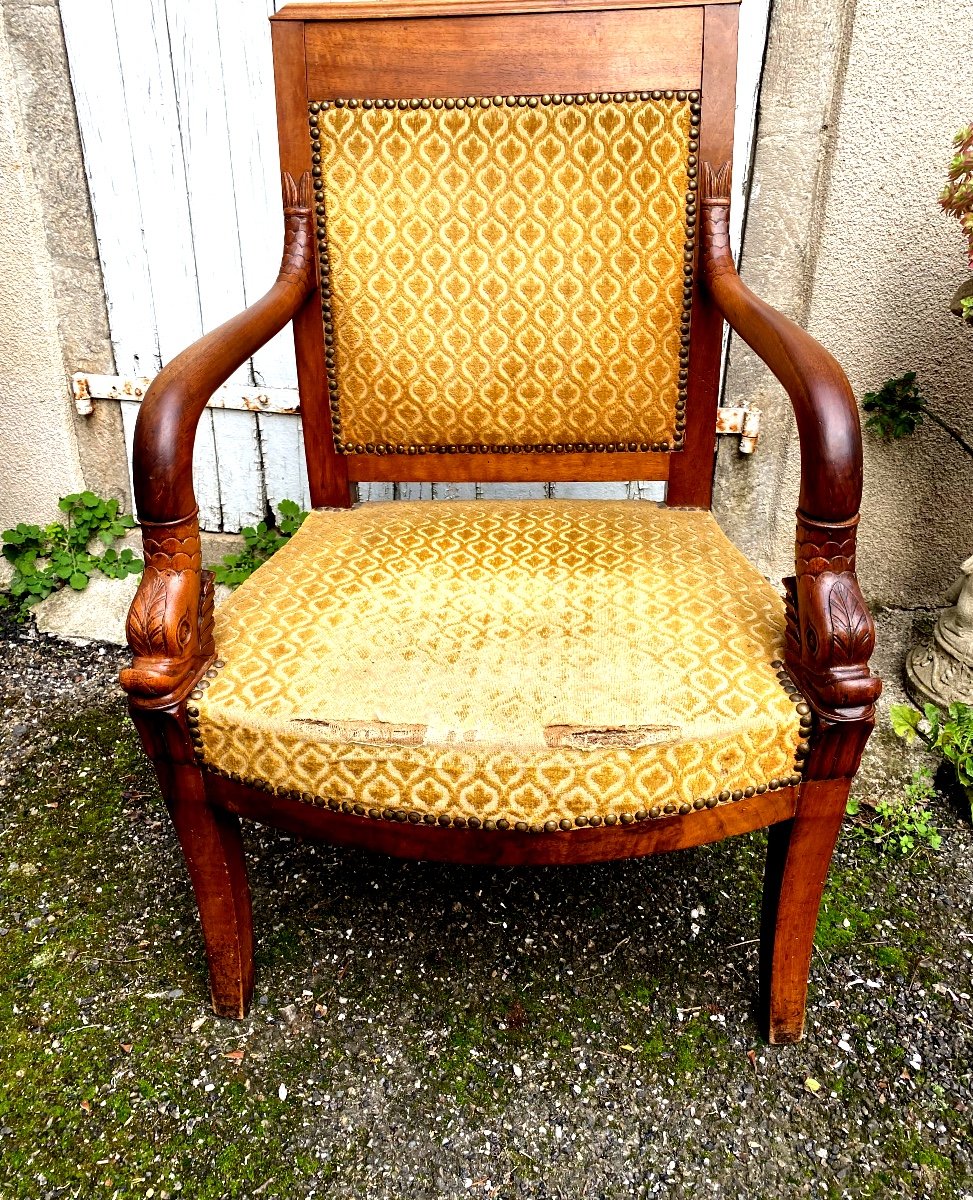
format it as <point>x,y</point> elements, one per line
<point>176,106</point>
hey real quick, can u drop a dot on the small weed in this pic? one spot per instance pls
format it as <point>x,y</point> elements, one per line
<point>949,733</point>
<point>45,558</point>
<point>260,543</point>
<point>903,823</point>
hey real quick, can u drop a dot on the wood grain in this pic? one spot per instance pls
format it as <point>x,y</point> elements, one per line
<point>500,468</point>
<point>691,472</point>
<point>343,10</point>
<point>486,56</point>
<point>508,849</point>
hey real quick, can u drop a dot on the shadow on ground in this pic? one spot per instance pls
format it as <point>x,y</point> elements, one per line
<point>429,1031</point>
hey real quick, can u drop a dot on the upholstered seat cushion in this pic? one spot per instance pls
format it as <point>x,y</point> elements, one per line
<point>504,663</point>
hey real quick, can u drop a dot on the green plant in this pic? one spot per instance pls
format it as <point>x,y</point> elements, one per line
<point>898,408</point>
<point>949,733</point>
<point>45,558</point>
<point>259,544</point>
<point>957,196</point>
<point>903,823</point>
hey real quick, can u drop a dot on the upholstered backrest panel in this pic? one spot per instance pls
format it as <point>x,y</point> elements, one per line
<point>506,272</point>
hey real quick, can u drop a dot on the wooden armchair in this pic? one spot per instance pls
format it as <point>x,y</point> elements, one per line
<point>506,258</point>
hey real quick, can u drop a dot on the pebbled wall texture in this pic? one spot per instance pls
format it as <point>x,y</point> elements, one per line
<point>52,306</point>
<point>858,108</point>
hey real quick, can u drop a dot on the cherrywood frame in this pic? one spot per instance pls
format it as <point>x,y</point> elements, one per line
<point>830,633</point>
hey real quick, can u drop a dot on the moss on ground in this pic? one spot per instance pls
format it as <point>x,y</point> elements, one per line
<point>118,1082</point>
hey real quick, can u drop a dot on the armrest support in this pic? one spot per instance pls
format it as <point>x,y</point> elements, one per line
<point>830,631</point>
<point>170,621</point>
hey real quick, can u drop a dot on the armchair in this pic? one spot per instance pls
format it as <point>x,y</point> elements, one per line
<point>519,215</point>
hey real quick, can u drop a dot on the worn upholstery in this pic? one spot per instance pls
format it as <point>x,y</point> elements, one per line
<point>501,662</point>
<point>507,274</point>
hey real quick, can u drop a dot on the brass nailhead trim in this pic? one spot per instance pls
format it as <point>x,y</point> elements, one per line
<point>689,255</point>
<point>595,821</point>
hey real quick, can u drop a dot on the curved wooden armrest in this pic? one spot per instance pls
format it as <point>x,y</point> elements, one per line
<point>170,621</point>
<point>830,634</point>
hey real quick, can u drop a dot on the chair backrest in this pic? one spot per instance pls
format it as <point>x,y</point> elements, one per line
<point>506,210</point>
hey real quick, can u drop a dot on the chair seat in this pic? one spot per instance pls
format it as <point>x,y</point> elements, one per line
<point>504,664</point>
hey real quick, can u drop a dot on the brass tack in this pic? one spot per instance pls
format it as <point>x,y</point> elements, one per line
<point>794,780</point>
<point>489,824</point>
<point>474,822</point>
<point>712,802</point>
<point>545,99</point>
<point>581,822</point>
<point>724,796</point>
<point>630,96</point>
<point>450,102</point>
<point>699,803</point>
<point>604,97</point>
<point>627,818</point>
<point>802,750</point>
<point>444,821</point>
<point>531,101</point>
<point>564,823</point>
<point>550,826</point>
<point>804,710</point>
<point>521,827</point>
<point>429,819</point>
<point>641,815</point>
<point>557,98</point>
<point>618,97</point>
<point>595,821</point>
<point>694,96</point>
<point>644,95</point>
<point>538,828</point>
<point>437,102</point>
<point>333,804</point>
<point>484,102</point>
<point>737,795</point>
<point>359,810</point>
<point>685,808</point>
<point>192,712</point>
<point>196,694</point>
<point>670,808</point>
<point>655,812</point>
<point>568,99</point>
<point>656,95</point>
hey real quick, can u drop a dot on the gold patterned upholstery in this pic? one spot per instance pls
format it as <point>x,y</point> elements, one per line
<point>503,662</point>
<point>504,274</point>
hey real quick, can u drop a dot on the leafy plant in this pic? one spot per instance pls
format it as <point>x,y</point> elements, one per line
<point>898,408</point>
<point>957,196</point>
<point>45,558</point>
<point>259,544</point>
<point>903,823</point>
<point>949,733</point>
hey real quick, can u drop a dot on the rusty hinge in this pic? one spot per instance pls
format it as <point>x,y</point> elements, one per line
<point>744,421</point>
<point>88,388</point>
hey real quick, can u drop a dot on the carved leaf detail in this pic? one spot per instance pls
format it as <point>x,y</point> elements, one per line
<point>146,618</point>
<point>851,627</point>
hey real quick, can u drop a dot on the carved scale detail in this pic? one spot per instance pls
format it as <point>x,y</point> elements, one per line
<point>170,622</point>
<point>830,633</point>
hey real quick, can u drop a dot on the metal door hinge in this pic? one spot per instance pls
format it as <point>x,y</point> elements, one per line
<point>87,388</point>
<point>744,421</point>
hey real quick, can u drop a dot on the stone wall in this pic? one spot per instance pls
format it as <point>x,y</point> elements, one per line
<point>52,304</point>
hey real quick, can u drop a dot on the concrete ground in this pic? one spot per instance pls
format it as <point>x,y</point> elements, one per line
<point>429,1031</point>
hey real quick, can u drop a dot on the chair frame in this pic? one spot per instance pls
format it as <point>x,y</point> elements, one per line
<point>363,47</point>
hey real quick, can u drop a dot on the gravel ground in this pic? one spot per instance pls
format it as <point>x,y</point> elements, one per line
<point>429,1031</point>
